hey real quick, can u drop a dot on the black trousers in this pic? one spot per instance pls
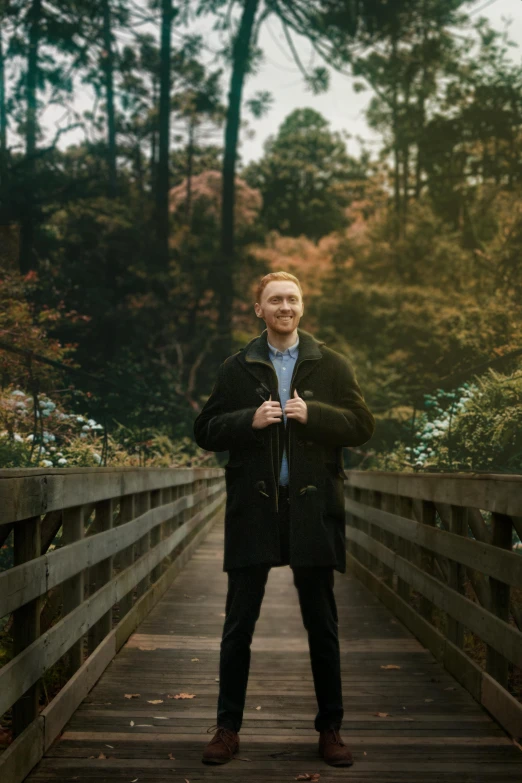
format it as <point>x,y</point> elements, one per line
<point>246,588</point>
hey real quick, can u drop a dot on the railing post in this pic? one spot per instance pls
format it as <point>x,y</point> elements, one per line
<point>426,517</point>
<point>73,588</point>
<point>100,574</point>
<point>458,525</point>
<point>496,664</point>
<point>26,620</point>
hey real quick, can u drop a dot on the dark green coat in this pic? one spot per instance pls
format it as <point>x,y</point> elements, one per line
<point>337,417</point>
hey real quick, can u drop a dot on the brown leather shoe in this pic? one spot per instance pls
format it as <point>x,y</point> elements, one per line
<point>333,749</point>
<point>222,747</point>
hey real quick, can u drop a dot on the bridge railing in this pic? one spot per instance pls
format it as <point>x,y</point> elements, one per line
<point>94,549</point>
<point>437,549</point>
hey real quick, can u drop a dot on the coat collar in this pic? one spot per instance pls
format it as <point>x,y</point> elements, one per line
<point>257,349</point>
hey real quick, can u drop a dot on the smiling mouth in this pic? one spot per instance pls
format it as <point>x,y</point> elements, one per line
<point>284,317</point>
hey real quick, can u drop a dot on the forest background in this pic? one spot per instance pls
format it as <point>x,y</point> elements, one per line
<point>132,233</point>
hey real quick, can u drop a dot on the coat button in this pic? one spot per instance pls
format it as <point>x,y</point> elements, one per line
<point>306,490</point>
<point>261,488</point>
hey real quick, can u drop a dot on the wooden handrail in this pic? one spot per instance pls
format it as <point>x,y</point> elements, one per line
<point>144,524</point>
<point>421,541</point>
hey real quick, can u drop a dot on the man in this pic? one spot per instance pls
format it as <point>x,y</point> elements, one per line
<point>285,500</point>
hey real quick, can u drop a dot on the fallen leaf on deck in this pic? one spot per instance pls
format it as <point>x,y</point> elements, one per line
<point>135,780</point>
<point>258,708</point>
<point>131,723</point>
<point>308,776</point>
<point>381,714</point>
<point>194,659</point>
<point>183,696</point>
<point>216,679</point>
<point>102,755</point>
<point>154,701</point>
<point>144,725</point>
<point>390,666</point>
<point>160,717</point>
<point>364,753</point>
<point>147,648</point>
<point>131,695</point>
<point>110,746</point>
<point>171,757</point>
<point>428,700</point>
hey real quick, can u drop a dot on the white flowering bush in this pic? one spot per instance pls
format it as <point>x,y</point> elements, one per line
<point>476,427</point>
<point>46,436</point>
<point>36,432</point>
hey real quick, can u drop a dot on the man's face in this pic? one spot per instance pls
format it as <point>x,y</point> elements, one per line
<point>281,306</point>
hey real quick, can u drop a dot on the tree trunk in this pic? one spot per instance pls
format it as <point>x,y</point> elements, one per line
<point>190,165</point>
<point>162,181</point>
<point>27,254</point>
<point>109,92</point>
<point>224,284</point>
<point>138,163</point>
<point>3,112</point>
<point>396,142</point>
<point>405,125</point>
<point>154,138</point>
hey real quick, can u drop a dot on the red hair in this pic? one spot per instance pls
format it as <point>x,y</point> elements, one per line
<point>276,276</point>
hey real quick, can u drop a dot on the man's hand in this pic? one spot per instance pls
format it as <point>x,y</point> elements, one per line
<point>270,412</point>
<point>296,408</point>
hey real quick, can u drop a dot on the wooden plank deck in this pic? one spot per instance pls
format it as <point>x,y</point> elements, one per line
<point>433,731</point>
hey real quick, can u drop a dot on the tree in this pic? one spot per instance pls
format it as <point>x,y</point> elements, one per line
<point>108,68</point>
<point>162,181</point>
<point>306,177</point>
<point>413,48</point>
<point>331,28</point>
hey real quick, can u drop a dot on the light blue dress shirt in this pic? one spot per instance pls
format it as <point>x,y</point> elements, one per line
<point>284,363</point>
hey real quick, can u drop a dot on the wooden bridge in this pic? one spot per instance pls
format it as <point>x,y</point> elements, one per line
<point>115,606</point>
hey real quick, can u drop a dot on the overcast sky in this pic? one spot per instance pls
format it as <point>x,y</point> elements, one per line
<point>280,76</point>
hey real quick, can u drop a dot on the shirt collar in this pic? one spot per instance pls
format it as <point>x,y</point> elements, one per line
<point>291,350</point>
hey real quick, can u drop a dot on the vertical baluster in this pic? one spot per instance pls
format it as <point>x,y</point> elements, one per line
<point>388,504</point>
<point>357,524</point>
<point>496,664</point>
<point>371,532</point>
<point>100,574</point>
<point>143,545</point>
<point>73,588</point>
<point>125,558</point>
<point>405,509</point>
<point>156,534</point>
<point>26,620</point>
<point>458,525</point>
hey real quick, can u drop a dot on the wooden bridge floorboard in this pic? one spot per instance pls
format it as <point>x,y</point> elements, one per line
<point>434,731</point>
